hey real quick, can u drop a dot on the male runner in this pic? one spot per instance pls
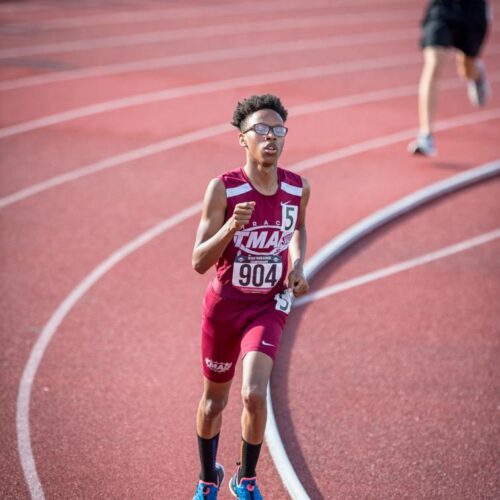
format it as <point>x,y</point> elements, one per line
<point>450,23</point>
<point>252,221</point>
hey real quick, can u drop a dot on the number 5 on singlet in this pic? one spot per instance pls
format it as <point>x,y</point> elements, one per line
<point>256,273</point>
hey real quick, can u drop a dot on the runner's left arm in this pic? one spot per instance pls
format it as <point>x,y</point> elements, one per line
<point>297,282</point>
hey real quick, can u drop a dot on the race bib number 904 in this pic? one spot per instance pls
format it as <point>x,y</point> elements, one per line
<point>257,273</point>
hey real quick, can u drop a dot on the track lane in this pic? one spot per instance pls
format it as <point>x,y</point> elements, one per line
<point>68,249</point>
<point>384,431</point>
<point>22,66</point>
<point>151,11</point>
<point>190,57</point>
<point>115,288</point>
<point>256,26</point>
<point>345,49</point>
<point>145,375</point>
<point>75,141</point>
<point>103,19</point>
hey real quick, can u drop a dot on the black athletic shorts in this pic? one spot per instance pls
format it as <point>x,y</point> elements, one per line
<point>455,23</point>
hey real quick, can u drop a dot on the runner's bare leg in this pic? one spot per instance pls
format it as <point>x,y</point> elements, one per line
<point>212,403</point>
<point>257,368</point>
<point>428,88</point>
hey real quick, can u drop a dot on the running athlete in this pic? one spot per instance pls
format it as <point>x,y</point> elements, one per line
<point>252,223</point>
<point>450,23</point>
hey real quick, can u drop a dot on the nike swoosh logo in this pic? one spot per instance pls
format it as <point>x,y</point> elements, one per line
<point>267,343</point>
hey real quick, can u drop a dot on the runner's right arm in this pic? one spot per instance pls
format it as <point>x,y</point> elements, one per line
<point>213,233</point>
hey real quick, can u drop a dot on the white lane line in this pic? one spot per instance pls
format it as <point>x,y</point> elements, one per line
<point>279,455</point>
<point>114,161</point>
<point>398,268</point>
<point>334,248</point>
<point>194,11</point>
<point>395,210</point>
<point>41,344</point>
<point>216,86</point>
<point>16,7</point>
<point>124,17</point>
<point>25,388</point>
<point>378,142</point>
<point>274,25</point>
<point>222,128</point>
<point>310,72</point>
<point>210,56</point>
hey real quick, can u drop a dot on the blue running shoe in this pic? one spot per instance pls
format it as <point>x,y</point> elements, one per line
<point>422,145</point>
<point>246,489</point>
<point>209,491</point>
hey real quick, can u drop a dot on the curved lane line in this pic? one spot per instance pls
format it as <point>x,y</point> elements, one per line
<point>191,12</point>
<point>114,161</point>
<point>378,142</point>
<point>395,210</point>
<point>207,87</point>
<point>168,144</point>
<point>38,350</point>
<point>332,250</point>
<point>177,13</point>
<point>208,56</point>
<point>385,272</point>
<point>16,8</point>
<point>25,387</point>
<point>135,40</point>
<point>214,86</point>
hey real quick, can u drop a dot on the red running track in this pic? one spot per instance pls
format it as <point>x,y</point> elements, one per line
<point>112,405</point>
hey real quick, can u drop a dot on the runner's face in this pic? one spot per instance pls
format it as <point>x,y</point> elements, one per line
<point>264,149</point>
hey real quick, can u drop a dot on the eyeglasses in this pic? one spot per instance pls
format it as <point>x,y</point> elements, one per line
<point>263,129</point>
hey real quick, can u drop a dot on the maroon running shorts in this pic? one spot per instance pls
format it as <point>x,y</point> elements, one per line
<point>232,326</point>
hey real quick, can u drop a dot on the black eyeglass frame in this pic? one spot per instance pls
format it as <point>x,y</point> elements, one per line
<point>268,129</point>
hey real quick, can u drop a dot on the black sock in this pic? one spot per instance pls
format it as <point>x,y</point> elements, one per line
<point>249,458</point>
<point>208,452</point>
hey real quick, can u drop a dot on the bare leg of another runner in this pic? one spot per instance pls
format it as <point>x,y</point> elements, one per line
<point>428,87</point>
<point>427,100</point>
<point>468,67</point>
<point>472,69</point>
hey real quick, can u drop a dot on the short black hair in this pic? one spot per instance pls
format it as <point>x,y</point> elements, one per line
<point>256,103</point>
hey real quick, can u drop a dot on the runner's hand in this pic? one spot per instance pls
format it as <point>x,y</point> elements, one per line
<point>297,282</point>
<point>242,214</point>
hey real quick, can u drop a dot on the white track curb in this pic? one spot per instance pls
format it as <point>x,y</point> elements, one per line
<point>335,247</point>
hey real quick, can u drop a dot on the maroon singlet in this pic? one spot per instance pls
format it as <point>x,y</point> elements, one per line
<point>246,305</point>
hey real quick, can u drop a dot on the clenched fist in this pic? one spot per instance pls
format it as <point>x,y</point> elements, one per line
<point>242,214</point>
<point>297,282</point>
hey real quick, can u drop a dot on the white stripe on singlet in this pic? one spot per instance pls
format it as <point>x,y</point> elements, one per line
<point>288,188</point>
<point>244,188</point>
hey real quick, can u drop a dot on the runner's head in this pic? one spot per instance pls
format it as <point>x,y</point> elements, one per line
<point>260,120</point>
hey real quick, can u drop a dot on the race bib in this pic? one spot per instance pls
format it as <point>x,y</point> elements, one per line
<point>257,273</point>
<point>284,301</point>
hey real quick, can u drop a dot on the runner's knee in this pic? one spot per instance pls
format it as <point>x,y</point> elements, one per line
<point>254,399</point>
<point>212,407</point>
<point>432,69</point>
